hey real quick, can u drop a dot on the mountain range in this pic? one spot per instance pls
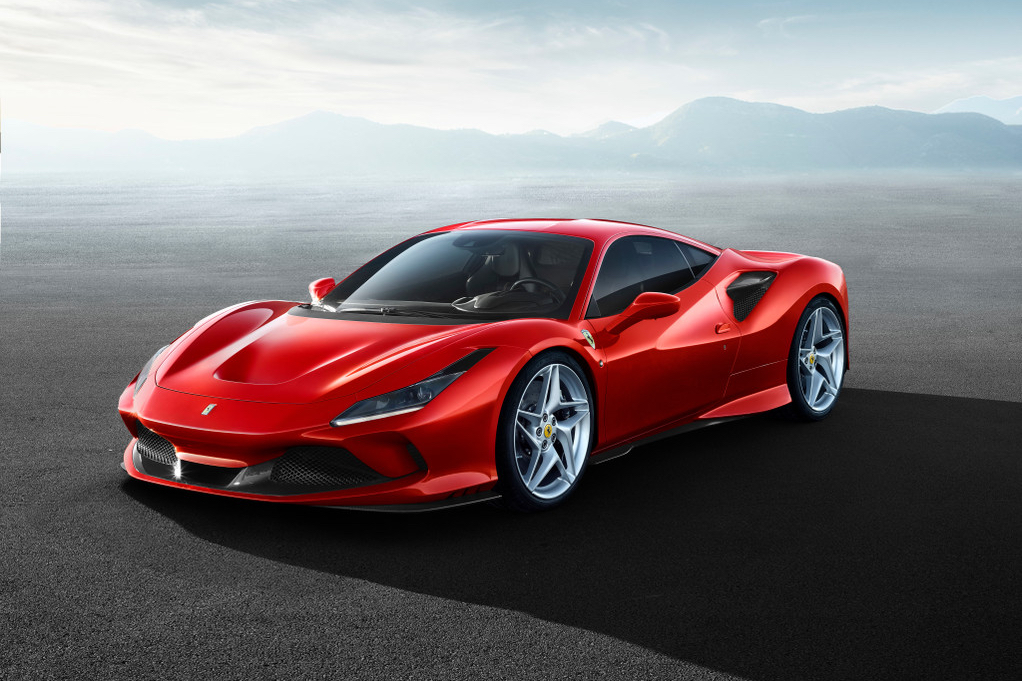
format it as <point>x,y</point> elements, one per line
<point>1007,111</point>
<point>714,134</point>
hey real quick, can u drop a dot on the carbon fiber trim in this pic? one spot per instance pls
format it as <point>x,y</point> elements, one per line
<point>300,470</point>
<point>322,467</point>
<point>155,448</point>
<point>747,290</point>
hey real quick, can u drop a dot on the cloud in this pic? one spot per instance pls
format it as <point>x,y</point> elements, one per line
<point>924,89</point>
<point>216,69</point>
<point>775,27</point>
<point>221,68</point>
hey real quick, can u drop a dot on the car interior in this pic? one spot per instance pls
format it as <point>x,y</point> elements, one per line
<point>519,275</point>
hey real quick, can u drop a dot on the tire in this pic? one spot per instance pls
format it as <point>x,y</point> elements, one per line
<point>544,438</point>
<point>816,361</point>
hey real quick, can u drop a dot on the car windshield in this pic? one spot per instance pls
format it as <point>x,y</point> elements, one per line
<point>470,273</point>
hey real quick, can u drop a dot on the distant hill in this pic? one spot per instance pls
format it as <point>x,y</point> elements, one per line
<point>715,134</point>
<point>1008,111</point>
<point>608,129</point>
<point>724,132</point>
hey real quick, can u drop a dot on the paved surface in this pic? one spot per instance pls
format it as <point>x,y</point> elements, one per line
<point>881,543</point>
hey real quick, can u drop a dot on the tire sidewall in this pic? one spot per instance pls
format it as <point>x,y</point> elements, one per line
<point>513,490</point>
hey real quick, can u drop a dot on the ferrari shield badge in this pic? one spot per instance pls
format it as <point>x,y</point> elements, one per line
<point>208,409</point>
<point>589,338</point>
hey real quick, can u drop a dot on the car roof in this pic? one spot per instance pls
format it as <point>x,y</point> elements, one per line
<point>600,231</point>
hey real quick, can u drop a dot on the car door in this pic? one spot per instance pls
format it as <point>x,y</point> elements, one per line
<point>659,370</point>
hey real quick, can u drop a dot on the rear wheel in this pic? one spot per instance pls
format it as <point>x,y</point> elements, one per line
<point>816,363</point>
<point>545,434</point>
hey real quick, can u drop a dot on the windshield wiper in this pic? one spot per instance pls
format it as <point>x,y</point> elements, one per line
<point>418,312</point>
<point>363,310</point>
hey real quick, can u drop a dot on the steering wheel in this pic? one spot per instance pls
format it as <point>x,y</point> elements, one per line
<point>556,293</point>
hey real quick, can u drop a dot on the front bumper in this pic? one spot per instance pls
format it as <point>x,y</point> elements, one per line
<point>414,492</point>
<point>300,470</point>
<point>288,453</point>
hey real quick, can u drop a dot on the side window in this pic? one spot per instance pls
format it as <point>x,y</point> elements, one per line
<point>637,264</point>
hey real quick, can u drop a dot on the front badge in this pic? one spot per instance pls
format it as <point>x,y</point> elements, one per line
<point>209,408</point>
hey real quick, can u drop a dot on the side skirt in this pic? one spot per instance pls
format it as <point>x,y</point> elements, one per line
<point>610,454</point>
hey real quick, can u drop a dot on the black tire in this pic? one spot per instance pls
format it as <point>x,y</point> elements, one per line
<point>515,495</point>
<point>800,409</point>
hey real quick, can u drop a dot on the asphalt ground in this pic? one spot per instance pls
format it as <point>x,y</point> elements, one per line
<point>883,542</point>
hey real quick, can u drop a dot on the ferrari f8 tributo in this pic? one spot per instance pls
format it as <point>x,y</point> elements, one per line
<point>485,359</point>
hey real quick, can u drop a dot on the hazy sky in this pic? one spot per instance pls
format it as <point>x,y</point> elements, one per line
<point>186,68</point>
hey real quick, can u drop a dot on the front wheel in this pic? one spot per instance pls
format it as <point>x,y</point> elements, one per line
<point>545,433</point>
<point>816,363</point>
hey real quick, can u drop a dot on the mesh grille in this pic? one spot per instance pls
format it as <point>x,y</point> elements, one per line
<point>330,467</point>
<point>744,306</point>
<point>747,290</point>
<point>155,448</point>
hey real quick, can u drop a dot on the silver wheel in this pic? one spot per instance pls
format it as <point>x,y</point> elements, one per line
<point>551,440</point>
<point>821,359</point>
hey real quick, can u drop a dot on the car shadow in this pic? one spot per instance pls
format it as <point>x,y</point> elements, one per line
<point>881,542</point>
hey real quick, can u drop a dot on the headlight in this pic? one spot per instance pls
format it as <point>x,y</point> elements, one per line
<point>144,374</point>
<point>409,399</point>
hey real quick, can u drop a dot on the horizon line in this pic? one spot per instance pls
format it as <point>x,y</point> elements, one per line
<point>506,134</point>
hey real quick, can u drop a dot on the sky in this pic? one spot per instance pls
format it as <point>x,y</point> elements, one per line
<point>183,69</point>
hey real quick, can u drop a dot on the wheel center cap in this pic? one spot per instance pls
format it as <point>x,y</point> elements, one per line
<point>548,430</point>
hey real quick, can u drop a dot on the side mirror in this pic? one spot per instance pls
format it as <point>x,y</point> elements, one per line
<point>319,288</point>
<point>647,305</point>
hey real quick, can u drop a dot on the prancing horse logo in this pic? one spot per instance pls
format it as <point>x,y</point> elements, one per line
<point>209,408</point>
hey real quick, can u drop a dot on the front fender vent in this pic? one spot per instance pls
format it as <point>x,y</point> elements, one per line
<point>747,290</point>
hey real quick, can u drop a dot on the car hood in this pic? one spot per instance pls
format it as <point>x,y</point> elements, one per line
<point>259,353</point>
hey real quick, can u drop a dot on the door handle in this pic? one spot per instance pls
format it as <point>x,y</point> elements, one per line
<point>723,327</point>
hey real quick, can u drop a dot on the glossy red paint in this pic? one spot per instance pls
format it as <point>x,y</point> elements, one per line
<point>259,353</point>
<point>648,305</point>
<point>319,288</point>
<point>276,380</point>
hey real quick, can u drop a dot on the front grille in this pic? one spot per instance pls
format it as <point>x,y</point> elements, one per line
<point>155,448</point>
<point>327,467</point>
<point>300,470</point>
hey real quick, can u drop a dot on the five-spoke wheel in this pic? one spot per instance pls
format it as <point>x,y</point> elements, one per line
<point>546,432</point>
<point>816,365</point>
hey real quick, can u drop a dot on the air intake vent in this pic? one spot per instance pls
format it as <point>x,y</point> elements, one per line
<point>322,467</point>
<point>155,448</point>
<point>747,290</point>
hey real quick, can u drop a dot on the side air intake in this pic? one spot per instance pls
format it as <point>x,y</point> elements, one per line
<point>155,448</point>
<point>747,290</point>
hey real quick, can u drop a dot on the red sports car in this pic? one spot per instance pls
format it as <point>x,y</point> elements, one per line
<point>485,359</point>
